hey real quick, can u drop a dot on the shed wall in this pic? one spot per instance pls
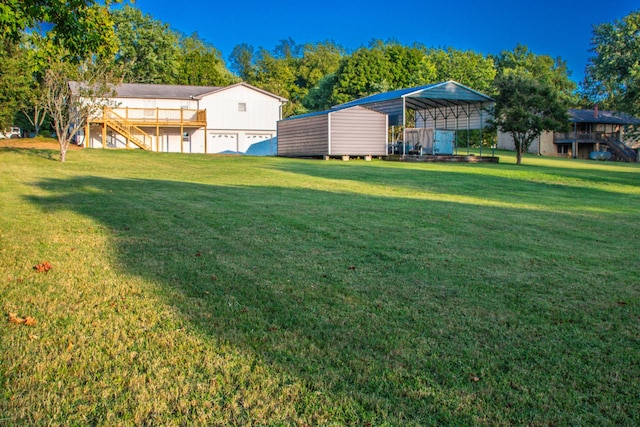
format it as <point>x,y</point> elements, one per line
<point>307,136</point>
<point>358,131</point>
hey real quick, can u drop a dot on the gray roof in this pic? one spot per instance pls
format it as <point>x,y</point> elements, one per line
<point>605,117</point>
<point>156,91</point>
<point>445,94</point>
<point>153,91</point>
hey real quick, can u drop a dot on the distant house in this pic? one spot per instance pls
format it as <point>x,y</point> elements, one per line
<point>187,119</point>
<point>591,130</point>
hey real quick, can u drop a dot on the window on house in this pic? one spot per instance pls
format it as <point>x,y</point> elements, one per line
<point>242,106</point>
<point>563,148</point>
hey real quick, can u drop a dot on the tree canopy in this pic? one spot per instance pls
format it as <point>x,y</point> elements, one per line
<point>526,107</point>
<point>613,72</point>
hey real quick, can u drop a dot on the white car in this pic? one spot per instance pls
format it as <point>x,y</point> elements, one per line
<point>13,132</point>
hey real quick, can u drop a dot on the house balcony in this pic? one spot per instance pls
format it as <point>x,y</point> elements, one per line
<point>154,117</point>
<point>581,137</point>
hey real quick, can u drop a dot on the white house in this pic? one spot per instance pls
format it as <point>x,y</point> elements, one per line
<point>187,119</point>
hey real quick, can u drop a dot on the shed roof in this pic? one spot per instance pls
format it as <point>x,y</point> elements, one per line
<point>322,113</point>
<point>438,95</point>
<point>600,116</point>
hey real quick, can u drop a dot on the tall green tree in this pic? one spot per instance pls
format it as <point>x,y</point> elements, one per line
<point>242,61</point>
<point>526,107</point>
<point>365,72</point>
<point>15,83</point>
<point>201,64</point>
<point>148,49</point>
<point>469,68</point>
<point>613,72</point>
<point>408,65</point>
<point>82,27</point>
<point>278,75</point>
<point>317,61</point>
<point>523,62</point>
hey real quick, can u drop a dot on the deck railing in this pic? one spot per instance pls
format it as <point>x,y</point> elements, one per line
<point>580,136</point>
<point>158,116</point>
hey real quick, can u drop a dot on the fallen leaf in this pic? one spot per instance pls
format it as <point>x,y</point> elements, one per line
<point>198,254</point>
<point>13,318</point>
<point>33,337</point>
<point>30,321</point>
<point>43,267</point>
<point>352,267</point>
<point>214,277</point>
<point>621,303</point>
<point>475,379</point>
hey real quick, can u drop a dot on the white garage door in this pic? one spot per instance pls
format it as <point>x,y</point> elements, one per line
<point>252,140</point>
<point>222,143</point>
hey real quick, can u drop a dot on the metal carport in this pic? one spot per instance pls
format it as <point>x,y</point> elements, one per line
<point>447,105</point>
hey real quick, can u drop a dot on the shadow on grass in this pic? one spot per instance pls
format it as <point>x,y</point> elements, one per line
<point>49,154</point>
<point>388,302</point>
<point>509,184</point>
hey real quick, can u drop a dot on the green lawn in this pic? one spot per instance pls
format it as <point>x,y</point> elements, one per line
<point>192,289</point>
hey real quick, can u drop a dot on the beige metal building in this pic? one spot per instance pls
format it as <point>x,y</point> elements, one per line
<point>352,131</point>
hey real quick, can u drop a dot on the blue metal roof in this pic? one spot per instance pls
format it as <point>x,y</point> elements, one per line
<point>438,95</point>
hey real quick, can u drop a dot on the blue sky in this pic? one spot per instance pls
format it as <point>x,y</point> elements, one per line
<point>556,28</point>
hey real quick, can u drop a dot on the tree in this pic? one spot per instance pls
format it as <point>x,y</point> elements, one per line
<point>365,72</point>
<point>148,50</point>
<point>200,64</point>
<point>469,68</point>
<point>613,73</point>
<point>278,75</point>
<point>522,61</point>
<point>242,61</point>
<point>74,93</point>
<point>526,107</point>
<point>15,81</point>
<point>318,61</point>
<point>82,27</point>
<point>408,66</point>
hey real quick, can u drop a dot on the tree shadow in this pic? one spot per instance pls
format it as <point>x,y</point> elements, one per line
<point>566,189</point>
<point>353,306</point>
<point>48,154</point>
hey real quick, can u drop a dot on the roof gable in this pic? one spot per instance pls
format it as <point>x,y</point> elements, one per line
<point>264,92</point>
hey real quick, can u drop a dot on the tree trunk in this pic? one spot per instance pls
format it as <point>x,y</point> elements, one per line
<point>63,152</point>
<point>519,155</point>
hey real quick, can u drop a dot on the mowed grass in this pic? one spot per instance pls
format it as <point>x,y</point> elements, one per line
<point>191,289</point>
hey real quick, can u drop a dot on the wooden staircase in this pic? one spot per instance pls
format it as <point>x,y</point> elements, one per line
<point>620,149</point>
<point>131,132</point>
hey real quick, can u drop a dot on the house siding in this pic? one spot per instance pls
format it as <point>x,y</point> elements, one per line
<point>262,111</point>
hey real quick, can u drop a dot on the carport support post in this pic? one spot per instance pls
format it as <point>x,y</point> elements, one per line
<point>404,126</point>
